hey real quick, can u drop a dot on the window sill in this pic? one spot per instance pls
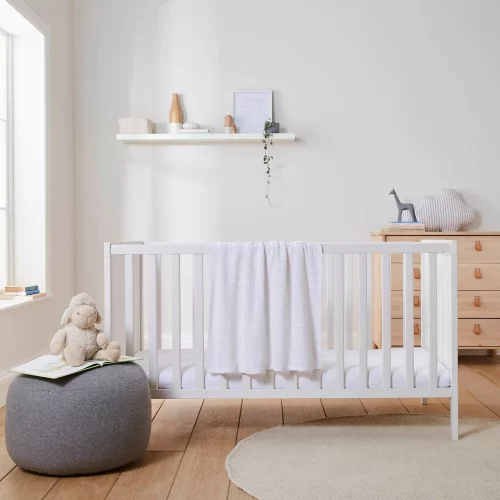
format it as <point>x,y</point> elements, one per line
<point>8,305</point>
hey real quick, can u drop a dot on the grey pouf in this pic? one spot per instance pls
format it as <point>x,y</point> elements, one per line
<point>92,422</point>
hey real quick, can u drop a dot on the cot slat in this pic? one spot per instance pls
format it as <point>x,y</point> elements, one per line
<point>138,290</point>
<point>176,321</point>
<point>317,378</point>
<point>246,381</point>
<point>431,306</point>
<point>223,383</point>
<point>408,319</point>
<point>369,278</point>
<point>362,317</point>
<point>198,321</point>
<point>129,304</point>
<point>349,299</point>
<point>155,321</point>
<point>330,317</point>
<point>338,314</point>
<point>269,380</point>
<point>386,321</point>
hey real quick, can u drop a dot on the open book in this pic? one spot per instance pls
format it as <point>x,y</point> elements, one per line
<point>53,366</point>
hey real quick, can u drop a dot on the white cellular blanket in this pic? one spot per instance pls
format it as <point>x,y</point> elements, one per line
<point>265,307</point>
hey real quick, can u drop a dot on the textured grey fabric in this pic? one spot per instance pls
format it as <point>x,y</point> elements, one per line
<point>92,422</point>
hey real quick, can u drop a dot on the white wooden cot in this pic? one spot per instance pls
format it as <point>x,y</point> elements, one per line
<point>439,320</point>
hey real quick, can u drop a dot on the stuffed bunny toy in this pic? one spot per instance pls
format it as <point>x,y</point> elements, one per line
<point>79,340</point>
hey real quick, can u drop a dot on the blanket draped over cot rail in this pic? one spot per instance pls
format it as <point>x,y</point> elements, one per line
<point>157,282</point>
<point>265,307</point>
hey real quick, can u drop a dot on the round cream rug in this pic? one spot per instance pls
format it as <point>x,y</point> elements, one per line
<point>384,457</point>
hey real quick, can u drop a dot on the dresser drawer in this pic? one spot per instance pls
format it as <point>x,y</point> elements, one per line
<point>478,333</point>
<point>398,257</point>
<point>397,304</point>
<point>479,277</point>
<point>397,276</point>
<point>478,304</point>
<point>478,249</point>
<point>397,332</point>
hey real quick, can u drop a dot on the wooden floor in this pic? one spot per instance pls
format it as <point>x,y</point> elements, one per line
<point>191,438</point>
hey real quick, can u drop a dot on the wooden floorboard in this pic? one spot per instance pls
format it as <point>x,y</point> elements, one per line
<point>489,371</point>
<point>2,421</point>
<point>343,407</point>
<point>149,479</point>
<point>21,485</point>
<point>383,406</point>
<point>481,388</point>
<point>173,424</point>
<point>236,494</point>
<point>155,407</point>
<point>469,406</point>
<point>202,473</point>
<point>256,415</point>
<point>6,464</point>
<point>433,406</point>
<point>296,411</point>
<point>95,487</point>
<point>205,437</point>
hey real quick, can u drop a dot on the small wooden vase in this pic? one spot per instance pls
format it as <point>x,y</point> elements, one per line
<point>175,117</point>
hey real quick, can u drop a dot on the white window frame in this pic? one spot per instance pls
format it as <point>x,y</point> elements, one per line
<point>40,24</point>
<point>9,172</point>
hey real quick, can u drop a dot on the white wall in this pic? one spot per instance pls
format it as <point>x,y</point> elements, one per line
<point>381,94</point>
<point>27,330</point>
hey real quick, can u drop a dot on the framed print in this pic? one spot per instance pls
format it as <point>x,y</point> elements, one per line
<point>251,110</point>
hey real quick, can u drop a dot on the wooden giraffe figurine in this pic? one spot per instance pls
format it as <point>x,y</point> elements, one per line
<point>404,206</point>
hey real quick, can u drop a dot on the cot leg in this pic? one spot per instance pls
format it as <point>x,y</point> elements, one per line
<point>423,401</point>
<point>454,418</point>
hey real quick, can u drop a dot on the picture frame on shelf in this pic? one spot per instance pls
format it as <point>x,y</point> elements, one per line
<point>251,110</point>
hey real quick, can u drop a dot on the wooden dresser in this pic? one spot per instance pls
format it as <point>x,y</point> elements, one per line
<point>478,288</point>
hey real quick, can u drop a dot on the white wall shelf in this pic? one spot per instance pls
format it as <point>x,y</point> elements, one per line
<point>200,138</point>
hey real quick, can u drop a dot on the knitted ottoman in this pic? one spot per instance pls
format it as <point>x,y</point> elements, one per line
<point>91,422</point>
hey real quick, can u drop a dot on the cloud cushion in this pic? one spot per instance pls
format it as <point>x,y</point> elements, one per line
<point>445,212</point>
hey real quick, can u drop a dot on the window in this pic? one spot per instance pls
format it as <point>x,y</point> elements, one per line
<point>4,158</point>
<point>23,154</point>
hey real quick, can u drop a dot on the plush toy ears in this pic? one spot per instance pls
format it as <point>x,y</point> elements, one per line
<point>98,319</point>
<point>66,317</point>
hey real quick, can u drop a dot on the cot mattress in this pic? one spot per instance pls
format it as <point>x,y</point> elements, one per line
<point>306,379</point>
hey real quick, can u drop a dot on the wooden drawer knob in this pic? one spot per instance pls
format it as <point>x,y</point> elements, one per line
<point>477,301</point>
<point>477,329</point>
<point>416,329</point>
<point>477,273</point>
<point>416,301</point>
<point>479,247</point>
<point>416,273</point>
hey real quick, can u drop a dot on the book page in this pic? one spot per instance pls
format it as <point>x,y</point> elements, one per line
<point>52,366</point>
<point>123,359</point>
